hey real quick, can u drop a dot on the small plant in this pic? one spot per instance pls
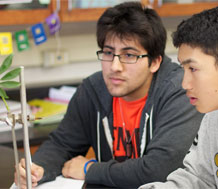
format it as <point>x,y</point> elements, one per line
<point>5,80</point>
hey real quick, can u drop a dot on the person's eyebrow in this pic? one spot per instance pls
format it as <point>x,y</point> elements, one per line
<point>130,48</point>
<point>124,49</point>
<point>109,47</point>
<point>187,61</point>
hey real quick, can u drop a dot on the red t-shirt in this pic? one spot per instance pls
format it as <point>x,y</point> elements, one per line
<point>130,114</point>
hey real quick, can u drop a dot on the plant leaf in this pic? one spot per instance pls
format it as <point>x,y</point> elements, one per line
<point>9,84</point>
<point>6,63</point>
<point>12,74</point>
<point>3,93</point>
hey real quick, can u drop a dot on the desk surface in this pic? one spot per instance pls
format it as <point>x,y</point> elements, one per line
<point>60,182</point>
<point>65,183</point>
<point>37,135</point>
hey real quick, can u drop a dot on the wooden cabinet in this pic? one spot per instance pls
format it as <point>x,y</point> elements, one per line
<point>165,10</point>
<point>27,16</point>
<point>175,9</point>
<point>78,14</point>
<point>33,16</point>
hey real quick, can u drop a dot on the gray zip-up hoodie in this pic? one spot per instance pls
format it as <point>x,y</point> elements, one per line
<point>167,128</point>
<point>201,164</point>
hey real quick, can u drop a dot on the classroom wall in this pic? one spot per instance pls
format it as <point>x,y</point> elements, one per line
<point>76,40</point>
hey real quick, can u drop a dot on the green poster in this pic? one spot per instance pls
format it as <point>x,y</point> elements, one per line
<point>22,40</point>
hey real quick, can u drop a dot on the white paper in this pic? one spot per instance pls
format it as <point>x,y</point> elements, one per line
<point>59,183</point>
<point>65,93</point>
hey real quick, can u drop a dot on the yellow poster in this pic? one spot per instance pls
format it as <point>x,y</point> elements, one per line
<point>6,43</point>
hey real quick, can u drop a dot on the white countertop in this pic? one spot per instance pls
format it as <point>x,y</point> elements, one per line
<point>72,73</point>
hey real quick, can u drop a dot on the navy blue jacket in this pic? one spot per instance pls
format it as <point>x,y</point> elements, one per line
<point>167,128</point>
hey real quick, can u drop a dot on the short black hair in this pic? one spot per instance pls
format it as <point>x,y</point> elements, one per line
<point>200,30</point>
<point>131,19</point>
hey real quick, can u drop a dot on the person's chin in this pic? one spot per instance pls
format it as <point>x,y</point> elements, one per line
<point>205,110</point>
<point>116,93</point>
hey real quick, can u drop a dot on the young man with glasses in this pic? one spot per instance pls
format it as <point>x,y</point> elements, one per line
<point>197,40</point>
<point>134,113</point>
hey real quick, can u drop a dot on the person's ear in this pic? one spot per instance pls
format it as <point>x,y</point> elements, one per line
<point>155,64</point>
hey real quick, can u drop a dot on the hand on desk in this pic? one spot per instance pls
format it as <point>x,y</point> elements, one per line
<point>36,172</point>
<point>74,168</point>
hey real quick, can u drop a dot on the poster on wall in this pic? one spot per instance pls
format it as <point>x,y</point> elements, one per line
<point>6,43</point>
<point>38,32</point>
<point>22,40</point>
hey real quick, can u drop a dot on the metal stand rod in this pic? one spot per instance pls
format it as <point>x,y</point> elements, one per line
<point>16,155</point>
<point>25,129</point>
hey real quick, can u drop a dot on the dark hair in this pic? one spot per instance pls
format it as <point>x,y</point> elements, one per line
<point>131,19</point>
<point>200,30</point>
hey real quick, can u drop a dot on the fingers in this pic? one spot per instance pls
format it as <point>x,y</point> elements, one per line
<point>21,169</point>
<point>36,174</point>
<point>74,168</point>
<point>65,169</point>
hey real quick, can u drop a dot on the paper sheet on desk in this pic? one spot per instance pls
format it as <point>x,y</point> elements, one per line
<point>59,183</point>
<point>65,93</point>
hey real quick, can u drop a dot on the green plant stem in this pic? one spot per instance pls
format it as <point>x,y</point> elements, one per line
<point>6,105</point>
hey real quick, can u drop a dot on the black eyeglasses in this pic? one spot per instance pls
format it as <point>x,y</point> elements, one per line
<point>124,58</point>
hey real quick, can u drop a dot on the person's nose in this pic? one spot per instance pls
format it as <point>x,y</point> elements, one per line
<point>186,82</point>
<point>116,64</point>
